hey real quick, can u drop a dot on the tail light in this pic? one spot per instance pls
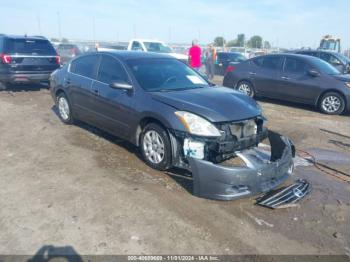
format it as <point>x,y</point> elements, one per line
<point>58,60</point>
<point>5,59</point>
<point>230,68</point>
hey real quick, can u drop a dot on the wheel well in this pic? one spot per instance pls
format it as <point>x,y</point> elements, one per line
<point>58,92</point>
<point>329,91</point>
<point>145,121</point>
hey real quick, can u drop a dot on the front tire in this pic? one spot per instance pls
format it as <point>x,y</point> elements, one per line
<point>64,109</point>
<point>246,88</point>
<point>155,147</point>
<point>332,103</point>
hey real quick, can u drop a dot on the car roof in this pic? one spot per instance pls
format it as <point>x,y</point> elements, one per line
<point>126,55</point>
<point>146,40</point>
<point>24,37</point>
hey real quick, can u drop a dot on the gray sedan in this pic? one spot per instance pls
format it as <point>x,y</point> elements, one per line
<point>177,119</point>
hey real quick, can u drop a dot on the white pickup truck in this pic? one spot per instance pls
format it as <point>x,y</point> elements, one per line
<point>156,46</point>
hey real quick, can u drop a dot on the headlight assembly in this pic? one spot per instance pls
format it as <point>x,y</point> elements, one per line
<point>197,125</point>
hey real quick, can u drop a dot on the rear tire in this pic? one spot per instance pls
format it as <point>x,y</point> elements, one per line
<point>64,109</point>
<point>246,88</point>
<point>155,147</point>
<point>332,103</point>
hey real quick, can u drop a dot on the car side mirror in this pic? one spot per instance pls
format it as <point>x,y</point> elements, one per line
<point>314,73</point>
<point>120,85</point>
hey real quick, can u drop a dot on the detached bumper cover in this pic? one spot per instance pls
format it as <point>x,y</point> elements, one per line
<point>259,176</point>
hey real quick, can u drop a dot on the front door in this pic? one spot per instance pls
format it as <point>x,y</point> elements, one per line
<point>296,82</point>
<point>113,107</point>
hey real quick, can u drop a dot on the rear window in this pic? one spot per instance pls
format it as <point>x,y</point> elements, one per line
<point>29,47</point>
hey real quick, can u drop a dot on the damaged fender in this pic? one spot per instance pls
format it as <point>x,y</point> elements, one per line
<point>261,173</point>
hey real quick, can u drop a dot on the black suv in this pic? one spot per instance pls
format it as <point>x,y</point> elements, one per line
<point>339,61</point>
<point>26,59</point>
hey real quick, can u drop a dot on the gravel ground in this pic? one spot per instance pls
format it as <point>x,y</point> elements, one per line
<point>76,186</point>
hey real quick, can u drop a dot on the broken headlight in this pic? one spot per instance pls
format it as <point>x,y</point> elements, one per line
<point>197,125</point>
<point>244,129</point>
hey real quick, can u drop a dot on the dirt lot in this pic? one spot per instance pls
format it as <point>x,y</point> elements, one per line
<point>77,186</point>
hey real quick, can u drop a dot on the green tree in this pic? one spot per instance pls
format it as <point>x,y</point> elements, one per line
<point>255,42</point>
<point>267,45</point>
<point>65,40</point>
<point>219,41</point>
<point>240,40</point>
<point>55,40</point>
<point>231,43</point>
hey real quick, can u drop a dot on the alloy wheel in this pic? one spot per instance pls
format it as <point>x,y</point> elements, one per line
<point>245,89</point>
<point>331,104</point>
<point>153,146</point>
<point>63,108</point>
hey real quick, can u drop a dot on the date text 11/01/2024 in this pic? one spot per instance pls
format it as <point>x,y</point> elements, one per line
<point>173,258</point>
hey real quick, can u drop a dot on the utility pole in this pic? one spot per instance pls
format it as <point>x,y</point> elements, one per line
<point>134,30</point>
<point>169,40</point>
<point>93,29</point>
<point>39,22</point>
<point>59,25</point>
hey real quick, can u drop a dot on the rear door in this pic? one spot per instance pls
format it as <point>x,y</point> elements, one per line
<point>79,80</point>
<point>31,55</point>
<point>265,74</point>
<point>112,107</point>
<point>296,83</point>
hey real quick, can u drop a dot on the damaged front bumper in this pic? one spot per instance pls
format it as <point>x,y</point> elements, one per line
<point>263,172</point>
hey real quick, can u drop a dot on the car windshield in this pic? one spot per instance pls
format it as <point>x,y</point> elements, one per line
<point>157,47</point>
<point>343,58</point>
<point>165,75</point>
<point>29,46</point>
<point>324,67</point>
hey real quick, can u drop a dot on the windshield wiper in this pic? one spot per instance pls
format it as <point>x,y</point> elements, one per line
<point>178,89</point>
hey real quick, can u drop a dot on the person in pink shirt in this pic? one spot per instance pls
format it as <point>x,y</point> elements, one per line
<point>194,55</point>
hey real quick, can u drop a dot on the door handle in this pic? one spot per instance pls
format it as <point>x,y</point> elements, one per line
<point>285,78</point>
<point>67,82</point>
<point>95,92</point>
<point>252,73</point>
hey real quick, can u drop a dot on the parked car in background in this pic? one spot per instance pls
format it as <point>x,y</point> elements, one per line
<point>225,59</point>
<point>105,47</point>
<point>338,60</point>
<point>67,52</point>
<point>25,59</point>
<point>292,77</point>
<point>176,118</point>
<point>155,46</point>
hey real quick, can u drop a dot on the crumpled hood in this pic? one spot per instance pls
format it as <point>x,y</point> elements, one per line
<point>219,104</point>
<point>345,78</point>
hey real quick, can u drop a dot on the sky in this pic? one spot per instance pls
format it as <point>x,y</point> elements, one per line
<point>285,23</point>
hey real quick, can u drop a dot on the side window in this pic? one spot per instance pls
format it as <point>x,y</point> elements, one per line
<point>295,66</point>
<point>111,71</point>
<point>258,61</point>
<point>136,46</point>
<point>84,66</point>
<point>272,62</point>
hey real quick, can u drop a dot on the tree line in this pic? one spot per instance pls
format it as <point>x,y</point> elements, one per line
<point>255,41</point>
